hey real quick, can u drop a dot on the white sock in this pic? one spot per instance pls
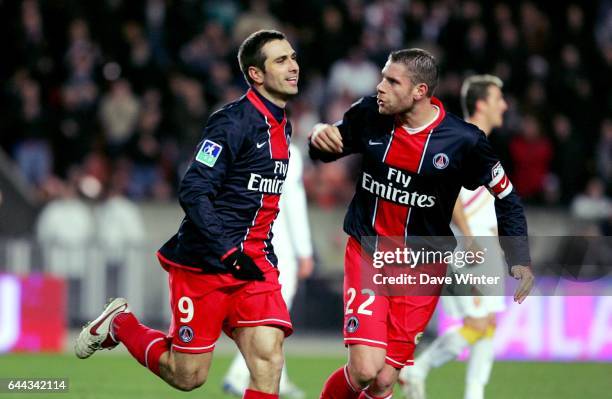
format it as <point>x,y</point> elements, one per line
<point>442,350</point>
<point>238,374</point>
<point>479,368</point>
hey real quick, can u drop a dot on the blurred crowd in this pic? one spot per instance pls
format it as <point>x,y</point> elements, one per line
<point>113,94</point>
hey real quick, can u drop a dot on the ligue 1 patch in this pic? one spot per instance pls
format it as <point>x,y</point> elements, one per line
<point>209,153</point>
<point>440,160</point>
<point>497,170</point>
<point>185,334</point>
<point>417,338</point>
<point>352,324</point>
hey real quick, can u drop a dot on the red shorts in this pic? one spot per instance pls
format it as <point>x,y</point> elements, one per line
<point>204,304</point>
<point>394,323</point>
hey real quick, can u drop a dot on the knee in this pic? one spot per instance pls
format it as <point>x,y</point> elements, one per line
<point>189,382</point>
<point>363,372</point>
<point>186,377</point>
<point>386,381</point>
<point>272,360</point>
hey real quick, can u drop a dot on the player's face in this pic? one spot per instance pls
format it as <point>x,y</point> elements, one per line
<point>396,92</point>
<point>495,106</point>
<point>282,71</point>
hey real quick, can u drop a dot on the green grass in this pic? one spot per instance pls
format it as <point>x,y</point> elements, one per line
<point>118,377</point>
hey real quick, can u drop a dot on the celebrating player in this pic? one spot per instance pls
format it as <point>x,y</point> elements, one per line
<point>221,265</point>
<point>416,158</point>
<point>483,105</point>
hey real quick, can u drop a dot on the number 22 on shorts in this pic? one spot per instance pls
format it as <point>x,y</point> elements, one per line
<point>363,308</point>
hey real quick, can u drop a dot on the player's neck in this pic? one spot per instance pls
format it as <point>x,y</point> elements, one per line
<point>481,122</point>
<point>421,113</point>
<point>274,99</point>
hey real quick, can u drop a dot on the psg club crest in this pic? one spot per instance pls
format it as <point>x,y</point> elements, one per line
<point>185,334</point>
<point>352,324</point>
<point>440,160</point>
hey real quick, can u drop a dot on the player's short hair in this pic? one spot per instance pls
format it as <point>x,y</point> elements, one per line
<point>476,88</point>
<point>421,64</point>
<point>250,54</point>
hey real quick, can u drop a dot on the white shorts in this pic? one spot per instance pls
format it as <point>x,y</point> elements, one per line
<point>462,304</point>
<point>459,307</point>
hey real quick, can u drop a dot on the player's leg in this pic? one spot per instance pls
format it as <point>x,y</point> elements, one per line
<point>348,382</point>
<point>236,379</point>
<point>364,364</point>
<point>258,320</point>
<point>184,371</point>
<point>480,362</point>
<point>262,348</point>
<point>365,332</point>
<point>382,386</point>
<point>149,347</point>
<point>408,318</point>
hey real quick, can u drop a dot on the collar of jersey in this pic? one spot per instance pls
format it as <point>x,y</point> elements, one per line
<point>433,124</point>
<point>264,106</point>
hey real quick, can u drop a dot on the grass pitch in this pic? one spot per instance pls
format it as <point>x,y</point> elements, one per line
<point>111,376</point>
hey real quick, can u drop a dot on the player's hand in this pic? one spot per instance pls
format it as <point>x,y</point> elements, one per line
<point>326,138</point>
<point>242,266</point>
<point>525,275</point>
<point>305,267</point>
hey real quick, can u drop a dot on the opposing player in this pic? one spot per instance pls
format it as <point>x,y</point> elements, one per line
<point>293,247</point>
<point>221,265</point>
<point>483,105</point>
<point>416,158</point>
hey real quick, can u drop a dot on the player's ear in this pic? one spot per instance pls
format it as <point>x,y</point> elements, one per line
<point>256,74</point>
<point>420,91</point>
<point>480,104</point>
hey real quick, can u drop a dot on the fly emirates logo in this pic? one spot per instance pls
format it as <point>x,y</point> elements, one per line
<point>398,195</point>
<point>268,185</point>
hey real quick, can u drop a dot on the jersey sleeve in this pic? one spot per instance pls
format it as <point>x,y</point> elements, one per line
<point>484,168</point>
<point>349,128</point>
<point>214,156</point>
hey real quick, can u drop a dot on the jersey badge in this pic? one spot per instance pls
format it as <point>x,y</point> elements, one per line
<point>209,153</point>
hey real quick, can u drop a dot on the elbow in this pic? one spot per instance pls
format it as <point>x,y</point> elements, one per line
<point>183,194</point>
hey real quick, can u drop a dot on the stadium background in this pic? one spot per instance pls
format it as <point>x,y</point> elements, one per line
<point>103,102</point>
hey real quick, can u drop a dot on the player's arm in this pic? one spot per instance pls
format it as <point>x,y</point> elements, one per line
<point>201,184</point>
<point>483,168</point>
<point>205,176</point>
<point>330,142</point>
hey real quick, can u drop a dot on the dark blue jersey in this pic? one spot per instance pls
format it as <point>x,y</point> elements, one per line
<point>410,180</point>
<point>231,189</point>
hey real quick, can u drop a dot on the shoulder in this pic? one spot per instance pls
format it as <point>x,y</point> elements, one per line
<point>365,104</point>
<point>230,116</point>
<point>468,132</point>
<point>365,112</point>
